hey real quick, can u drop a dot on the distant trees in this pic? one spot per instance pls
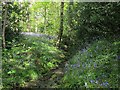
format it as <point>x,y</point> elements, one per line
<point>25,16</point>
<point>80,18</point>
<point>44,17</point>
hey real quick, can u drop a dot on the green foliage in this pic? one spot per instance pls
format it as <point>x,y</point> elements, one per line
<point>86,22</point>
<point>97,17</point>
<point>93,67</point>
<point>16,13</point>
<point>90,40</point>
<point>43,18</point>
<point>92,29</point>
<point>29,60</point>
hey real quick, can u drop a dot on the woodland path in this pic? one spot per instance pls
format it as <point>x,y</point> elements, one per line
<point>53,77</point>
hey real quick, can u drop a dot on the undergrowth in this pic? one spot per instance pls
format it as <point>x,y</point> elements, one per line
<point>29,60</point>
<point>95,66</point>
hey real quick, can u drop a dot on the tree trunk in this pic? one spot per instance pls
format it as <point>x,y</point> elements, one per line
<point>70,15</point>
<point>4,26</point>
<point>61,23</point>
<point>45,22</point>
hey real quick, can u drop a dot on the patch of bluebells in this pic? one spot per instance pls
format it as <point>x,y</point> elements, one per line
<point>94,81</point>
<point>104,84</point>
<point>68,67</point>
<point>95,65</point>
<point>75,65</point>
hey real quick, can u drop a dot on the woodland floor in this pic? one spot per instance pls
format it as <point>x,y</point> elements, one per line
<point>53,77</point>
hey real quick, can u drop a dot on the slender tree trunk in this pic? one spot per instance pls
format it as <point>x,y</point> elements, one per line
<point>45,22</point>
<point>4,26</point>
<point>61,23</point>
<point>28,20</point>
<point>70,15</point>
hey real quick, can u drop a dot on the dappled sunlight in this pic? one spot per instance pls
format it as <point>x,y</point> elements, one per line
<point>29,62</point>
<point>60,45</point>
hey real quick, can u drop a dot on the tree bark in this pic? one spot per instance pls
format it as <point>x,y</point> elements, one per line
<point>45,22</point>
<point>70,15</point>
<point>61,23</point>
<point>4,26</point>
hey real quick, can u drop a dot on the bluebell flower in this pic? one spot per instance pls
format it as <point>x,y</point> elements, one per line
<point>104,84</point>
<point>75,65</point>
<point>95,65</point>
<point>92,81</point>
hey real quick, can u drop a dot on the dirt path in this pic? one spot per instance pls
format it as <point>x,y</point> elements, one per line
<point>51,79</point>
